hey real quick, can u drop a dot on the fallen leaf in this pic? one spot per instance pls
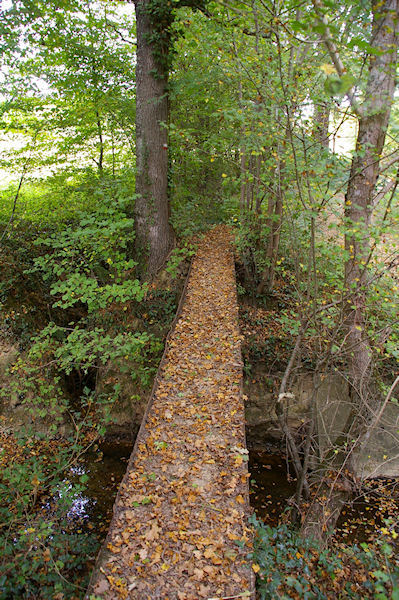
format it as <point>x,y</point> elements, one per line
<point>153,533</point>
<point>198,574</point>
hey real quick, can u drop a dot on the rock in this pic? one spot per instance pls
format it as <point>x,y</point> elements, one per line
<point>379,458</point>
<point>8,355</point>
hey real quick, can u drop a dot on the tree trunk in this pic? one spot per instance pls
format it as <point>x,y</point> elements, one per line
<point>321,119</point>
<point>273,223</point>
<point>100,144</point>
<point>373,122</point>
<point>154,235</point>
<point>361,188</point>
<point>243,185</point>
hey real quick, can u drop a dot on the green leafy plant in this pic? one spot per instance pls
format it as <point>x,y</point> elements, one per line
<point>291,566</point>
<point>178,256</point>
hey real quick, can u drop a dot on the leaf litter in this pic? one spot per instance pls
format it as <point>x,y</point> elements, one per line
<point>179,530</point>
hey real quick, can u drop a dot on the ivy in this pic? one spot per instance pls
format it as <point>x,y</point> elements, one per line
<point>163,35</point>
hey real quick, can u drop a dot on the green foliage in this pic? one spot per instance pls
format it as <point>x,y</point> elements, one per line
<point>339,86</point>
<point>163,30</point>
<point>51,203</point>
<point>40,558</point>
<point>86,268</point>
<point>178,256</point>
<point>161,16</point>
<point>89,263</point>
<point>290,566</point>
<point>282,557</point>
<point>41,554</point>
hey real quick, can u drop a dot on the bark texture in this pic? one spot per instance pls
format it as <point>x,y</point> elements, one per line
<point>373,123</point>
<point>154,234</point>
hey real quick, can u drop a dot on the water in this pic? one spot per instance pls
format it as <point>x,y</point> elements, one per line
<point>105,467</point>
<point>270,489</point>
<point>360,521</point>
<point>269,486</point>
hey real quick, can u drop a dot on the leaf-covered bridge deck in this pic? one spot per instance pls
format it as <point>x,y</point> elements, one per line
<point>179,526</point>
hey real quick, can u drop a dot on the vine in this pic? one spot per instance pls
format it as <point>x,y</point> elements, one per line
<point>162,36</point>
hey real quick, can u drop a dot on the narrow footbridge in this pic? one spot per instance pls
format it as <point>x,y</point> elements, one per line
<point>179,526</point>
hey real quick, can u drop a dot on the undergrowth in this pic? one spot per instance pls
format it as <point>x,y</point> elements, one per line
<point>289,566</point>
<point>72,304</point>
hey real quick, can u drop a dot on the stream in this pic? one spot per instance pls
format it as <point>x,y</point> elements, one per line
<point>105,468</point>
<point>270,488</point>
<point>360,521</point>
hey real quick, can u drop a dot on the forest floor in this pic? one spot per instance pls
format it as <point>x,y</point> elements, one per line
<point>180,519</point>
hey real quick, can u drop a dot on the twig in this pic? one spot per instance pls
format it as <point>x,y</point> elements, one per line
<point>279,410</point>
<point>242,595</point>
<point>333,52</point>
<point>21,180</point>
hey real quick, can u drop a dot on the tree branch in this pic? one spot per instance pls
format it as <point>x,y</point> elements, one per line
<point>21,180</point>
<point>333,52</point>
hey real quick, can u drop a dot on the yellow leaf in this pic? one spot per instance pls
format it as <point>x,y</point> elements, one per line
<point>328,69</point>
<point>209,552</point>
<point>255,568</point>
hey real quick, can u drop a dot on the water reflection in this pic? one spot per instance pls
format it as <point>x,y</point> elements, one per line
<point>91,486</point>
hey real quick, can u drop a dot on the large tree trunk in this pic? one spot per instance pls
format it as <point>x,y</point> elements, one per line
<point>154,234</point>
<point>373,122</point>
<point>358,202</point>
